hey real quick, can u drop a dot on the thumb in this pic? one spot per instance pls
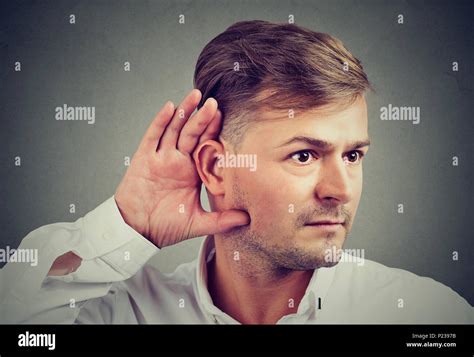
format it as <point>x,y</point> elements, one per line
<point>219,222</point>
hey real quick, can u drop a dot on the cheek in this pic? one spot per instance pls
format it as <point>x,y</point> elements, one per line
<point>356,195</point>
<point>273,195</point>
<point>357,189</point>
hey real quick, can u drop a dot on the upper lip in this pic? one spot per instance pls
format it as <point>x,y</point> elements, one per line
<point>327,221</point>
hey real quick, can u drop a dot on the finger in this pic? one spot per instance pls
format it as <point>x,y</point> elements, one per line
<point>213,129</point>
<point>219,222</point>
<point>157,127</point>
<point>196,125</point>
<point>185,109</point>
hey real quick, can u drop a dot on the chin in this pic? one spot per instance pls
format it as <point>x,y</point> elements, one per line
<point>320,251</point>
<point>310,262</point>
<point>322,241</point>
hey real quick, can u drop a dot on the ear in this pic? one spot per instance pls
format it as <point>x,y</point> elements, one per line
<point>206,157</point>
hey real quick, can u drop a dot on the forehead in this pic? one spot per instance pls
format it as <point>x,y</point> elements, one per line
<point>334,123</point>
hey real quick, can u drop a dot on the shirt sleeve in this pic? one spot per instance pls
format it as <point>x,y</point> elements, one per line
<point>111,251</point>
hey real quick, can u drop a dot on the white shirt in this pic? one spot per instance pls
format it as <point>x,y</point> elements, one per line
<point>114,285</point>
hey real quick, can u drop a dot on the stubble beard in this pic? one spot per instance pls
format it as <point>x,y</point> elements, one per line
<point>258,254</point>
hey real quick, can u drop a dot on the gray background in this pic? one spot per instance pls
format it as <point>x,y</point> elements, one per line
<point>82,64</point>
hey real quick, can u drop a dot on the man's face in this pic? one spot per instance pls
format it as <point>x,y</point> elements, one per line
<point>309,171</point>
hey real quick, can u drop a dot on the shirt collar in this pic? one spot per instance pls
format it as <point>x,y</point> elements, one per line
<point>317,288</point>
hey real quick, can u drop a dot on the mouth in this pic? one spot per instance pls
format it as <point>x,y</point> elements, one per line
<point>330,225</point>
<point>325,223</point>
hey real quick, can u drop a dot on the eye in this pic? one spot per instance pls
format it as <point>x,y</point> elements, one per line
<point>354,157</point>
<point>303,157</point>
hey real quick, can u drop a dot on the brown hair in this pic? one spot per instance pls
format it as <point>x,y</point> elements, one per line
<point>256,64</point>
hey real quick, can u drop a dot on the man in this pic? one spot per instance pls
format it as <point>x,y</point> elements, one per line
<point>284,179</point>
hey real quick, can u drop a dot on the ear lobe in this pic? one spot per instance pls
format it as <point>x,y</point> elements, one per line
<point>206,158</point>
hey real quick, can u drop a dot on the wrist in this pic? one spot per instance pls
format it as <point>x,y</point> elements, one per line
<point>130,216</point>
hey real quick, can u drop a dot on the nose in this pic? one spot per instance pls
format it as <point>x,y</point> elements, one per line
<point>333,185</point>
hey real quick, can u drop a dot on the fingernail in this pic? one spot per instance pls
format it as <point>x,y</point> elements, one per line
<point>209,100</point>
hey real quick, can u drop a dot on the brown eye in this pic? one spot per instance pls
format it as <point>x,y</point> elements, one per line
<point>302,157</point>
<point>354,157</point>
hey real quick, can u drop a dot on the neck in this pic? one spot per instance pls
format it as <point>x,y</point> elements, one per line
<point>250,288</point>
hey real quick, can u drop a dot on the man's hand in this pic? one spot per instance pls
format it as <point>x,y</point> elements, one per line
<point>159,195</point>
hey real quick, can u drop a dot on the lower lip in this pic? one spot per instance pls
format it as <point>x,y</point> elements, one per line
<point>325,227</point>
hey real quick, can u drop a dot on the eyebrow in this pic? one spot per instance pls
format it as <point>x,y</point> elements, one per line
<point>324,145</point>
